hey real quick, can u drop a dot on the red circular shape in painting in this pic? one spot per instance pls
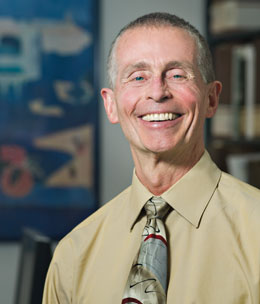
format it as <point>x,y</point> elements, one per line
<point>16,182</point>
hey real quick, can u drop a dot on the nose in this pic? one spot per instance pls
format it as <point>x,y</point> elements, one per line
<point>158,90</point>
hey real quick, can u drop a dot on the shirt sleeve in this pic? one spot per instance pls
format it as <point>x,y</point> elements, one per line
<point>59,281</point>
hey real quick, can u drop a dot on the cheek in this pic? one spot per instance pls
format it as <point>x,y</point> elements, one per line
<point>127,101</point>
<point>190,98</point>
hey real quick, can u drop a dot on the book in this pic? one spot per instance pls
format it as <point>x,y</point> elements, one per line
<point>237,66</point>
<point>255,122</point>
<point>254,173</point>
<point>257,47</point>
<point>232,15</point>
<point>222,63</point>
<point>242,167</point>
<point>243,96</point>
<point>223,121</point>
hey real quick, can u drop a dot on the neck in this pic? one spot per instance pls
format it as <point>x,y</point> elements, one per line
<point>158,172</point>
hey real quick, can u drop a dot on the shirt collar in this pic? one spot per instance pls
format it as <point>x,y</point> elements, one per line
<point>192,193</point>
<point>189,196</point>
<point>139,195</point>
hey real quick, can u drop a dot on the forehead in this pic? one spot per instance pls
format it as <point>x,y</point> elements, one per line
<point>155,45</point>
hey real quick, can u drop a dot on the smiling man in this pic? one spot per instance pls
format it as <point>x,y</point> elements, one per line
<point>161,101</point>
<point>183,232</point>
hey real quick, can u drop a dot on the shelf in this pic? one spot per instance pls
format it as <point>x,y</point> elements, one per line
<point>236,54</point>
<point>242,36</point>
<point>224,141</point>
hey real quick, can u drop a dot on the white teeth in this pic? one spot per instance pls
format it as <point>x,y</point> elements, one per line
<point>159,117</point>
<point>156,116</point>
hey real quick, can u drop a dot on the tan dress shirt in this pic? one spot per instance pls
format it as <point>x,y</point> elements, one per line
<point>213,236</point>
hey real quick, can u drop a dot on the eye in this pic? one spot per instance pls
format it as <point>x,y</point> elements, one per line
<point>177,75</point>
<point>139,78</point>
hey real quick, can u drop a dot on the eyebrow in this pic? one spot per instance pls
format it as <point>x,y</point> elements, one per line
<point>136,66</point>
<point>179,64</point>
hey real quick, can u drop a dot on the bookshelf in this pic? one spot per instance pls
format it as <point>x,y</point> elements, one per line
<point>233,135</point>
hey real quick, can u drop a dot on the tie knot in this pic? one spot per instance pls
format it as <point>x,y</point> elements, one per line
<point>156,207</point>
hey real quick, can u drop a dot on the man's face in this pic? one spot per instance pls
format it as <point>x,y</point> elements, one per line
<point>159,98</point>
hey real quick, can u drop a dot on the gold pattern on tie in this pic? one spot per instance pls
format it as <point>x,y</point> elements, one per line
<point>147,281</point>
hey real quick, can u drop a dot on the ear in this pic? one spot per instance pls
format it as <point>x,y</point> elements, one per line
<point>213,98</point>
<point>110,105</point>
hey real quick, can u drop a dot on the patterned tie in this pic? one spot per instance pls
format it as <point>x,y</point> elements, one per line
<point>147,281</point>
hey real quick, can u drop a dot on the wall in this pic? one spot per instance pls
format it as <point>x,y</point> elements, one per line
<point>115,160</point>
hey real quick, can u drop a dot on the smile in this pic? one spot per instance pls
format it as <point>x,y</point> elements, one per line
<point>160,116</point>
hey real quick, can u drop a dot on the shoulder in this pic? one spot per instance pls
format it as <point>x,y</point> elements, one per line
<point>89,229</point>
<point>105,211</point>
<point>239,190</point>
<point>239,199</point>
<point>77,244</point>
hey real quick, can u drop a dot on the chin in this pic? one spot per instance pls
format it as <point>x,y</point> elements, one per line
<point>161,148</point>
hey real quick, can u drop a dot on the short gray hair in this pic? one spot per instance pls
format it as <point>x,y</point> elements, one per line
<point>204,57</point>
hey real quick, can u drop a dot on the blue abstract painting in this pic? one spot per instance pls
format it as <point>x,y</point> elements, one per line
<point>48,115</point>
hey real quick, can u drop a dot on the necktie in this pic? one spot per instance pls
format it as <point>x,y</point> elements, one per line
<point>147,281</point>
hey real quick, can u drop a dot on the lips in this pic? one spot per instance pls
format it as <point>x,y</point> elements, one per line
<point>160,116</point>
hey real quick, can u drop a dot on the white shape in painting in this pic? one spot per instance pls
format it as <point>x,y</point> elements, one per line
<point>37,106</point>
<point>64,90</point>
<point>64,38</point>
<point>19,55</point>
<point>22,42</point>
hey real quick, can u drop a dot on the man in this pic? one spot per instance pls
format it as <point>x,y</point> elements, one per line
<point>162,90</point>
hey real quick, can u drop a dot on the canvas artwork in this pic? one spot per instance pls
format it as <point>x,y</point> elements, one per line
<point>48,115</point>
